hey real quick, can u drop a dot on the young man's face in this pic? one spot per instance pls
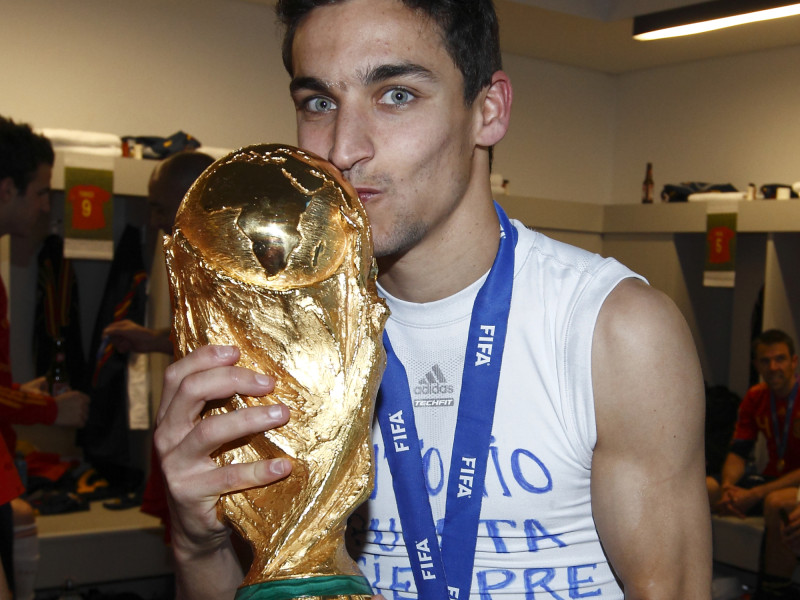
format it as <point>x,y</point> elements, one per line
<point>31,204</point>
<point>776,366</point>
<point>379,97</point>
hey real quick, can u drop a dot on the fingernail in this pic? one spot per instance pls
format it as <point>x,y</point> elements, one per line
<point>262,379</point>
<point>278,466</point>
<point>225,352</point>
<point>275,411</point>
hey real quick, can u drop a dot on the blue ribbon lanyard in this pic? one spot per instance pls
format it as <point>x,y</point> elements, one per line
<point>781,441</point>
<point>446,571</point>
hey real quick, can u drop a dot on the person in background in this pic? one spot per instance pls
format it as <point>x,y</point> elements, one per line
<point>169,182</point>
<point>769,408</point>
<point>593,484</point>
<point>26,165</point>
<point>788,508</point>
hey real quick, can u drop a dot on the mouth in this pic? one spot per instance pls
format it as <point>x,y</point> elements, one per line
<point>366,194</point>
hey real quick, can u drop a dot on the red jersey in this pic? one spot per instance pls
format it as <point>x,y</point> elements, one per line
<point>10,484</point>
<point>755,416</point>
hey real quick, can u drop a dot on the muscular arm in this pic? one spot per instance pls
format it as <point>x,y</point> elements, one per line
<point>648,473</point>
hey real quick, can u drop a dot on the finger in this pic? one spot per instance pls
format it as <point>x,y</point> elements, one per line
<point>192,475</point>
<point>183,411</point>
<point>204,438</point>
<point>199,362</point>
<point>736,512</point>
<point>229,479</point>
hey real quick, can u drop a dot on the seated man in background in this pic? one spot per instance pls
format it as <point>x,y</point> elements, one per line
<point>26,165</point>
<point>768,408</point>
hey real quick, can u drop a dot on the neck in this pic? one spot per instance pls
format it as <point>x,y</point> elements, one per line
<point>447,260</point>
<point>787,390</point>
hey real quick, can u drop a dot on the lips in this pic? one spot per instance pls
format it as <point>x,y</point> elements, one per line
<point>366,194</point>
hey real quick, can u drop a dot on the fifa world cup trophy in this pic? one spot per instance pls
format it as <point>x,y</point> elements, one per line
<point>272,252</point>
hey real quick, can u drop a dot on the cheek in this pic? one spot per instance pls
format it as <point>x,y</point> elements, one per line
<point>314,139</point>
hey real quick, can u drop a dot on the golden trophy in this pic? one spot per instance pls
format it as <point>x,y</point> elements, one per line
<point>272,252</point>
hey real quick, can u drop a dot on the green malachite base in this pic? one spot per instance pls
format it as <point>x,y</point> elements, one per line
<point>287,589</point>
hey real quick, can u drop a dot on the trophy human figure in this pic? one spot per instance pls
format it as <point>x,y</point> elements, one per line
<point>271,252</point>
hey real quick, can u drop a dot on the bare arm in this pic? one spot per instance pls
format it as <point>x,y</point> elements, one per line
<point>648,475</point>
<point>129,336</point>
<point>740,500</point>
<point>732,469</point>
<point>206,565</point>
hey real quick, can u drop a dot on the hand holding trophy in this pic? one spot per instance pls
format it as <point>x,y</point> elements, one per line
<point>271,252</point>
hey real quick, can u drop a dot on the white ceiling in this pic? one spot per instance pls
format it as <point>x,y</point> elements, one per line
<point>596,34</point>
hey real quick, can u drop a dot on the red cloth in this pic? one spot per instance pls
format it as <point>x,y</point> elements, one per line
<point>17,407</point>
<point>10,483</point>
<point>47,465</point>
<point>755,416</point>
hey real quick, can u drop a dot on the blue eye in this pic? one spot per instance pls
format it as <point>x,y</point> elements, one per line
<point>319,104</point>
<point>397,97</point>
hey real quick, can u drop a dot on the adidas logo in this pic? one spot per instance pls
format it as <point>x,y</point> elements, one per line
<point>434,382</point>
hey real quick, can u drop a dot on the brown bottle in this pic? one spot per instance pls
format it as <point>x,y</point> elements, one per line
<point>647,185</point>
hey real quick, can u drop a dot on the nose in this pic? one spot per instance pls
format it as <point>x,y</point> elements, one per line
<point>352,139</point>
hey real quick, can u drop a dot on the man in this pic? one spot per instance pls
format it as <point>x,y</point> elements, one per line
<point>169,181</point>
<point>768,408</point>
<point>583,461</point>
<point>26,164</point>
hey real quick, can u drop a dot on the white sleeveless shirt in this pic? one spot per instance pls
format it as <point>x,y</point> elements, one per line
<point>536,536</point>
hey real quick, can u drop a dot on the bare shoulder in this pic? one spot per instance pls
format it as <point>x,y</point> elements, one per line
<point>641,324</point>
<point>635,309</point>
<point>643,356</point>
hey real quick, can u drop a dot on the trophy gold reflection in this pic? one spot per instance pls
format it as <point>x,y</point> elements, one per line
<point>272,252</point>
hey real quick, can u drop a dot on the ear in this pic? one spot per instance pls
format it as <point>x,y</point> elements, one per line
<point>495,110</point>
<point>7,190</point>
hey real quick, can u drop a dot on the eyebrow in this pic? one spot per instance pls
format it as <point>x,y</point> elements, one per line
<point>384,72</point>
<point>377,75</point>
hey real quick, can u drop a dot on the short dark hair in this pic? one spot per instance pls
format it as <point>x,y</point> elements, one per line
<point>469,30</point>
<point>773,336</point>
<point>22,152</point>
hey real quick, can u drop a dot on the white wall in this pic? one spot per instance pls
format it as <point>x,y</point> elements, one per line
<point>212,68</point>
<point>728,120</point>
<point>149,67</point>
<point>562,128</point>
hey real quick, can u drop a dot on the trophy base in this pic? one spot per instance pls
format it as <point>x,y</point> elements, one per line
<point>334,587</point>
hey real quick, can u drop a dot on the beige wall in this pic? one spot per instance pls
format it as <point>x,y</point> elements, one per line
<point>212,68</point>
<point>733,119</point>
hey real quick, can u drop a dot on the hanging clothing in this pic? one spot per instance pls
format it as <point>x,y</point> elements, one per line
<point>58,313</point>
<point>105,439</point>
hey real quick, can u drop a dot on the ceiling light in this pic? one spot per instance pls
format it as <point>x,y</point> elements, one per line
<point>708,16</point>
